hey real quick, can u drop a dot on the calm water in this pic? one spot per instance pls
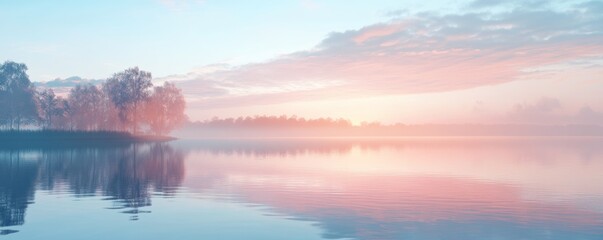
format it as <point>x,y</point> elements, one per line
<point>451,188</point>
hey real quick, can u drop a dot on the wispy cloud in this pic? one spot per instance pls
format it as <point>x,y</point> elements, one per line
<point>549,110</point>
<point>497,3</point>
<point>425,52</point>
<point>180,5</point>
<point>309,4</point>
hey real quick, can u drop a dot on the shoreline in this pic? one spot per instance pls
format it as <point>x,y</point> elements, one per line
<point>58,138</point>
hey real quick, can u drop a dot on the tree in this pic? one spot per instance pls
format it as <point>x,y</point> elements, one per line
<point>164,110</point>
<point>127,90</point>
<point>65,115</point>
<point>49,106</point>
<point>117,106</point>
<point>85,104</point>
<point>17,98</point>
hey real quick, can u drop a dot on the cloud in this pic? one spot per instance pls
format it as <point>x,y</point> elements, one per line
<point>542,111</point>
<point>425,52</point>
<point>310,4</point>
<point>587,115</point>
<point>542,106</point>
<point>62,87</point>
<point>497,3</point>
<point>547,110</point>
<point>68,82</point>
<point>180,5</point>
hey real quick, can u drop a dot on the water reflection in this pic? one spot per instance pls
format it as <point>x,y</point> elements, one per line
<point>17,181</point>
<point>448,188</point>
<point>125,175</point>
<point>586,147</point>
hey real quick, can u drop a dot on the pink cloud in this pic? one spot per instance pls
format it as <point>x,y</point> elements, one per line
<point>548,110</point>
<point>425,53</point>
<point>378,31</point>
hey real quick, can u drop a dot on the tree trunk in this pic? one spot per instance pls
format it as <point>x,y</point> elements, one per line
<point>135,117</point>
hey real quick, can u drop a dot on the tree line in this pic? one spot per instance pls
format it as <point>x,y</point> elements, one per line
<point>127,101</point>
<point>282,121</point>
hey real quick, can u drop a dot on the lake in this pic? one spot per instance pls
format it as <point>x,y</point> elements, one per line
<point>399,188</point>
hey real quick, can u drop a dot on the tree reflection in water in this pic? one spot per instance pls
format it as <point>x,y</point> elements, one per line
<point>127,176</point>
<point>17,181</point>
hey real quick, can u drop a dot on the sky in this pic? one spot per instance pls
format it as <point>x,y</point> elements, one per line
<point>475,61</point>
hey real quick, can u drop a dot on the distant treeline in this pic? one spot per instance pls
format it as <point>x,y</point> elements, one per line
<point>127,101</point>
<point>274,122</point>
<point>283,126</point>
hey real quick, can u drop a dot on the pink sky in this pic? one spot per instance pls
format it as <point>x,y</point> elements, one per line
<point>525,65</point>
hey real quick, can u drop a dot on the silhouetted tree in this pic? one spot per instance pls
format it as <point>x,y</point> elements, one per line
<point>66,115</point>
<point>116,106</point>
<point>17,99</point>
<point>85,102</point>
<point>49,106</point>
